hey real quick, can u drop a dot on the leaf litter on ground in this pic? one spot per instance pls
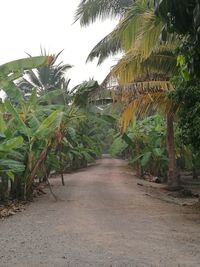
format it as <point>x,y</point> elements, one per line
<point>11,208</point>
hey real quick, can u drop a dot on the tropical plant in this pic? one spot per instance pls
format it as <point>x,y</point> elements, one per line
<point>39,135</point>
<point>146,140</point>
<point>89,11</point>
<point>183,17</point>
<point>148,64</point>
<point>45,78</point>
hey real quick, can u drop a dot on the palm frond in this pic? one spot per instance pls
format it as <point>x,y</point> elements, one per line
<point>130,26</point>
<point>24,85</point>
<point>144,105</point>
<point>141,30</point>
<point>33,79</point>
<point>123,35</point>
<point>44,78</point>
<point>149,38</point>
<point>132,66</point>
<point>109,45</point>
<point>89,11</point>
<point>126,93</point>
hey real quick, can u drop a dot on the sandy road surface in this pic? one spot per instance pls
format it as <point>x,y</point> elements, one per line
<point>102,218</point>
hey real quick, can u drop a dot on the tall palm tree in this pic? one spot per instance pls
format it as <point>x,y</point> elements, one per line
<point>140,99</point>
<point>148,63</point>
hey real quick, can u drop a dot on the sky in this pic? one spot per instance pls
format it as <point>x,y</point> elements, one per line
<point>28,24</point>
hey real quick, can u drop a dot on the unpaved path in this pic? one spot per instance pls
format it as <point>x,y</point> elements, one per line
<point>102,218</point>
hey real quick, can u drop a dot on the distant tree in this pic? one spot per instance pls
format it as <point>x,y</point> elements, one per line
<point>46,78</point>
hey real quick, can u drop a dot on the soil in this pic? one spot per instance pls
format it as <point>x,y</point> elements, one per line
<point>102,218</point>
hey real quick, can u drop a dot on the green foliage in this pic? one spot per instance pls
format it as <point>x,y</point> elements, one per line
<point>83,91</point>
<point>187,96</point>
<point>118,146</point>
<point>145,142</point>
<point>40,134</point>
<point>152,40</point>
<point>45,78</point>
<point>11,71</point>
<point>183,17</point>
<point>149,136</point>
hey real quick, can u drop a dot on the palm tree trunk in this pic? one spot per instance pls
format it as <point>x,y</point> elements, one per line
<point>139,171</point>
<point>173,179</point>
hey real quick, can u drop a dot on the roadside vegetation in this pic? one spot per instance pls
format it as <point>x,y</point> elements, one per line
<point>156,81</point>
<point>44,127</point>
<point>146,110</point>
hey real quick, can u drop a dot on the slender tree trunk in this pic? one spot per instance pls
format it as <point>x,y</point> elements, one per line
<point>139,171</point>
<point>173,179</point>
<point>39,162</point>
<point>61,167</point>
<point>194,163</point>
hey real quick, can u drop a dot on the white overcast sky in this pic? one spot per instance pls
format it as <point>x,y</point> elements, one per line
<point>27,24</point>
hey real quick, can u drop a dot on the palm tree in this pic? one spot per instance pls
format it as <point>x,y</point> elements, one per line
<point>46,78</point>
<point>148,64</point>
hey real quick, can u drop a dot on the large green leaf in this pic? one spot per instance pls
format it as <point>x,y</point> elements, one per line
<point>11,89</point>
<point>7,165</point>
<point>22,126</point>
<point>128,140</point>
<point>8,145</point>
<point>54,96</point>
<point>50,124</point>
<point>145,159</point>
<point>158,152</point>
<point>18,66</point>
<point>108,118</point>
<point>15,69</point>
<point>2,124</point>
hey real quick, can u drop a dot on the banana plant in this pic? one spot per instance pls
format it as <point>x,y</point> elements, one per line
<point>145,141</point>
<point>42,128</point>
<point>10,158</point>
<point>13,70</point>
<point>37,130</point>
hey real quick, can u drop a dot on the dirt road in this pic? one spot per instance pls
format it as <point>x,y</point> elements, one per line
<point>102,218</point>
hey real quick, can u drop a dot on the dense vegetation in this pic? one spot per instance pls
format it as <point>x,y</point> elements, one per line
<point>158,80</point>
<point>46,127</point>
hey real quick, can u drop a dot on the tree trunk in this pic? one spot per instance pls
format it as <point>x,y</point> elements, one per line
<point>139,171</point>
<point>39,162</point>
<point>173,179</point>
<point>61,167</point>
<point>195,166</point>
